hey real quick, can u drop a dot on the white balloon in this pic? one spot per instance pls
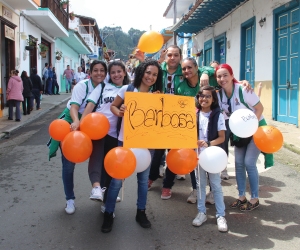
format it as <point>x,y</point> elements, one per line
<point>143,159</point>
<point>213,159</point>
<point>243,123</point>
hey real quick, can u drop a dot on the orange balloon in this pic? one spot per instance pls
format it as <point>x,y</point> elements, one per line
<point>268,139</point>
<point>151,42</point>
<point>58,129</point>
<point>182,161</point>
<point>77,147</point>
<point>95,125</point>
<point>120,162</point>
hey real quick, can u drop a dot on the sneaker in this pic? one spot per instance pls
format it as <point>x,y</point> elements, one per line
<point>210,198</point>
<point>161,171</point>
<point>224,175</point>
<point>103,210</point>
<point>200,218</point>
<point>118,199</point>
<point>97,193</point>
<point>166,193</point>
<point>193,197</point>
<point>107,222</point>
<point>70,207</point>
<point>222,224</point>
<point>142,219</point>
<point>149,184</point>
<point>180,177</point>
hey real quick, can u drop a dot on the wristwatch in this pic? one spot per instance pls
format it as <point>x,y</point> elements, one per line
<point>208,143</point>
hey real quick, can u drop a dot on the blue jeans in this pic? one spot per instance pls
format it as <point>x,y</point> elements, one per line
<point>68,177</point>
<point>68,84</point>
<point>245,160</point>
<point>116,184</point>
<point>215,183</point>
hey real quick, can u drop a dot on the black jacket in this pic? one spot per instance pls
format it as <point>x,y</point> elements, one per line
<point>36,82</point>
<point>212,130</point>
<point>27,86</point>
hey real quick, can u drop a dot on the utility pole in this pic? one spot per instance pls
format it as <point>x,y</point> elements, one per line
<point>174,21</point>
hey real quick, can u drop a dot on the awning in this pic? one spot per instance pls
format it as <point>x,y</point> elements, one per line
<point>76,42</point>
<point>45,19</point>
<point>205,15</point>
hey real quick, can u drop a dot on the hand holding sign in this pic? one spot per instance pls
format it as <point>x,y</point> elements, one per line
<point>243,123</point>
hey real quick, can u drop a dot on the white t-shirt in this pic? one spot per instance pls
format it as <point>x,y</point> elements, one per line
<point>122,95</point>
<point>251,99</point>
<point>166,82</point>
<point>80,93</point>
<point>203,125</point>
<point>110,91</point>
<point>79,76</point>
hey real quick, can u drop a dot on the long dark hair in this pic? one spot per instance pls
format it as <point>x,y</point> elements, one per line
<point>24,74</point>
<point>215,103</point>
<point>140,71</point>
<point>120,64</point>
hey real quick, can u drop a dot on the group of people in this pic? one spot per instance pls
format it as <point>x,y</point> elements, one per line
<point>169,75</point>
<point>49,77</point>
<point>23,89</point>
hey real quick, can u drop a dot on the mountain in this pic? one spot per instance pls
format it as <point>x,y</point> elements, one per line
<point>122,43</point>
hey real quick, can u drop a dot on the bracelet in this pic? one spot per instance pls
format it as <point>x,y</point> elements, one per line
<point>208,143</point>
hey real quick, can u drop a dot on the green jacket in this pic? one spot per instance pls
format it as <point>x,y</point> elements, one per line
<point>178,77</point>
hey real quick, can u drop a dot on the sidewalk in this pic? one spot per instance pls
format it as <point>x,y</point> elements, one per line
<point>48,102</point>
<point>290,133</point>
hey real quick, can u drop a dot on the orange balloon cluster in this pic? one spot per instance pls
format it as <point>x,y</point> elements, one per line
<point>58,129</point>
<point>120,162</point>
<point>95,125</point>
<point>182,161</point>
<point>268,139</point>
<point>77,147</point>
<point>151,42</point>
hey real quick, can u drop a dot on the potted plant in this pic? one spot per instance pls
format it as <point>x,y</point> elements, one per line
<point>31,43</point>
<point>64,3</point>
<point>58,55</point>
<point>43,49</point>
<point>72,15</point>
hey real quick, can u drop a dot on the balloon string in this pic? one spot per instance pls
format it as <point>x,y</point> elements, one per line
<point>122,196</point>
<point>198,177</point>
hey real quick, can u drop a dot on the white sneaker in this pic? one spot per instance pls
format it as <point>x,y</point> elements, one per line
<point>193,197</point>
<point>222,224</point>
<point>161,171</point>
<point>103,210</point>
<point>200,218</point>
<point>118,199</point>
<point>70,207</point>
<point>180,177</point>
<point>210,198</point>
<point>224,175</point>
<point>97,193</point>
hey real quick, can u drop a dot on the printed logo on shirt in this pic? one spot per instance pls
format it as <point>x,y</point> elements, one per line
<point>108,99</point>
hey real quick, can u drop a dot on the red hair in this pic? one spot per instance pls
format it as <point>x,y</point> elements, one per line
<point>225,66</point>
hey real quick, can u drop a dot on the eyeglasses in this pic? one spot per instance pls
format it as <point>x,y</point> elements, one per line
<point>169,84</point>
<point>205,96</point>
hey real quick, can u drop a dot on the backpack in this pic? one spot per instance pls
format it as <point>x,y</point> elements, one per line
<point>129,89</point>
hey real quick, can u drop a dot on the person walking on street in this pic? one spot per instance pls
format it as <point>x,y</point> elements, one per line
<point>27,87</point>
<point>45,77</point>
<point>79,75</point>
<point>55,86</point>
<point>37,89</point>
<point>68,75</point>
<point>14,95</point>
<point>49,81</point>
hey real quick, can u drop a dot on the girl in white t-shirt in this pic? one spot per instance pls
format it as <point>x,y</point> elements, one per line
<point>148,78</point>
<point>211,132</point>
<point>72,114</point>
<point>246,155</point>
<point>100,101</point>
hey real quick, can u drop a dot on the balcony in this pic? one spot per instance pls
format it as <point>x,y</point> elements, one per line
<point>23,4</point>
<point>51,17</point>
<point>75,41</point>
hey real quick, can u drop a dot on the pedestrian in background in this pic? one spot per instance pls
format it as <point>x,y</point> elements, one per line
<point>27,87</point>
<point>14,95</point>
<point>68,75</point>
<point>45,77</point>
<point>37,89</point>
<point>55,86</point>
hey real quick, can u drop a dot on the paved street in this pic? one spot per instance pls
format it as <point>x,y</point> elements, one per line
<point>32,204</point>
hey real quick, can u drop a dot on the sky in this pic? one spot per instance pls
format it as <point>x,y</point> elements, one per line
<point>137,14</point>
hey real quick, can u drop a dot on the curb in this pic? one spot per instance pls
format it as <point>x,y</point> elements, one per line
<point>6,134</point>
